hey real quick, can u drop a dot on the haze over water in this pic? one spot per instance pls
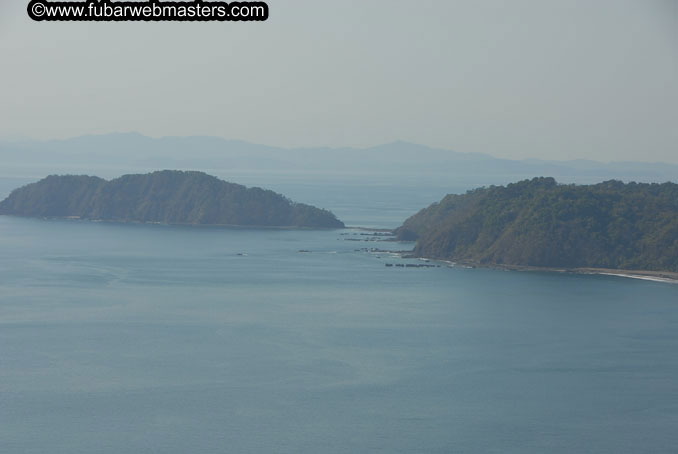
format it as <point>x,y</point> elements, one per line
<point>130,338</point>
<point>147,338</point>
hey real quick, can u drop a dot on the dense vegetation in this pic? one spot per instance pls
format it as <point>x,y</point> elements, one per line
<point>541,223</point>
<point>172,197</point>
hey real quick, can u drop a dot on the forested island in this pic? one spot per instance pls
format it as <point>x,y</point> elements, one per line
<point>540,223</point>
<point>168,196</point>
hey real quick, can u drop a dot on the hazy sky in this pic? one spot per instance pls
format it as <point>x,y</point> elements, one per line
<point>547,79</point>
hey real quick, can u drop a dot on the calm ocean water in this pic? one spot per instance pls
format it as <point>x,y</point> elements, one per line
<point>156,339</point>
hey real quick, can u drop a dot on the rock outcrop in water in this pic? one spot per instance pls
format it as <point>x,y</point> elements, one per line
<point>541,223</point>
<point>172,197</point>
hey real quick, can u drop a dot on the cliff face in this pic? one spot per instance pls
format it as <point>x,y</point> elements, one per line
<point>541,223</point>
<point>173,197</point>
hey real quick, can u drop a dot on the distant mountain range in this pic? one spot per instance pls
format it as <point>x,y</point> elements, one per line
<point>116,153</point>
<point>170,197</point>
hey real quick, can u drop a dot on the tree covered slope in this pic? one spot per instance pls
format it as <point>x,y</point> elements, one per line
<point>541,223</point>
<point>172,197</point>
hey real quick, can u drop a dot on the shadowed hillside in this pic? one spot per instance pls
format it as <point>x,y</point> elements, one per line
<point>172,197</point>
<point>541,223</point>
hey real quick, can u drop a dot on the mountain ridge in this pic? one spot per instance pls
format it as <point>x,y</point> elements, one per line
<point>134,152</point>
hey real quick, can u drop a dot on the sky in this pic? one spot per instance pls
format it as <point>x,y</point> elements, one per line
<point>522,79</point>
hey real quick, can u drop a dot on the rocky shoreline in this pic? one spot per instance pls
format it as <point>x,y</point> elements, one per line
<point>658,276</point>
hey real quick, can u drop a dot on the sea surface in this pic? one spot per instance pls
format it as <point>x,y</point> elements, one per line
<point>130,338</point>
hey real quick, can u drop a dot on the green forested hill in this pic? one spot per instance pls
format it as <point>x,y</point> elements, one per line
<point>541,223</point>
<point>173,197</point>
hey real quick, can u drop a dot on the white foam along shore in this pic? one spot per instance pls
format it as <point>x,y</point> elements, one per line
<point>642,277</point>
<point>668,277</point>
<point>654,276</point>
